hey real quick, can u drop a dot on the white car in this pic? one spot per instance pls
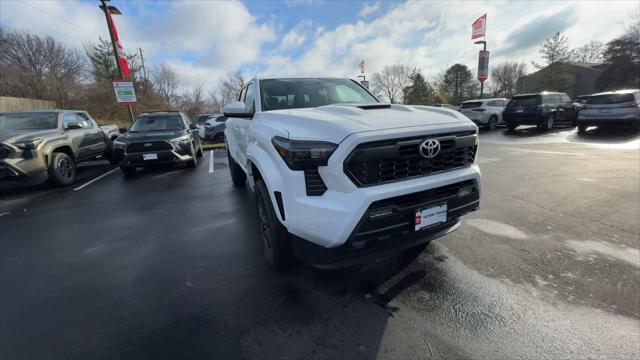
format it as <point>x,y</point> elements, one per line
<point>200,120</point>
<point>340,178</point>
<point>620,107</point>
<point>484,112</point>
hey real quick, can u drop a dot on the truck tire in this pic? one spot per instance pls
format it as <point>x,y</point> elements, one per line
<point>62,170</point>
<point>193,163</point>
<point>275,238</point>
<point>238,176</point>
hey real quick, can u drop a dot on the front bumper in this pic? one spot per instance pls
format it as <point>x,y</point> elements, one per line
<point>9,173</point>
<point>137,159</point>
<point>524,118</point>
<point>388,226</point>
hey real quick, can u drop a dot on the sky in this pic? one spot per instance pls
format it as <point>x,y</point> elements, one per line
<point>204,40</point>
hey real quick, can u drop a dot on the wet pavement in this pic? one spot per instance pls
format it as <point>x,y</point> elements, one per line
<point>168,265</point>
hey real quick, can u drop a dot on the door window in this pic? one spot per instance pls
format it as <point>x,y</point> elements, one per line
<point>250,99</point>
<point>69,118</point>
<point>84,120</point>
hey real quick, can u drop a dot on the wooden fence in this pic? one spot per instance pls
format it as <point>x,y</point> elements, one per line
<point>21,104</point>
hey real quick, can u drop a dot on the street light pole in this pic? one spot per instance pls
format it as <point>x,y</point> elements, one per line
<point>114,10</point>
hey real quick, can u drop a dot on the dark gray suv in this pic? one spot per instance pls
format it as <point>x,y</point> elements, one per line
<point>544,110</point>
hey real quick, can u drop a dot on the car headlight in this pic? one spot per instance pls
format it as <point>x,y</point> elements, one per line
<point>181,139</point>
<point>29,144</point>
<point>301,155</point>
<point>118,144</point>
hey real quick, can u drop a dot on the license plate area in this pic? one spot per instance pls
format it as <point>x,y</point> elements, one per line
<point>150,156</point>
<point>605,111</point>
<point>427,217</point>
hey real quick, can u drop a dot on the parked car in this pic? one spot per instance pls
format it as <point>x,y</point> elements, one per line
<point>544,109</point>
<point>40,145</point>
<point>484,112</point>
<point>340,178</point>
<point>214,129</point>
<point>200,120</point>
<point>448,106</point>
<point>611,108</point>
<point>154,138</point>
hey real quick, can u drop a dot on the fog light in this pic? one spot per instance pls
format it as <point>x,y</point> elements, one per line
<point>465,191</point>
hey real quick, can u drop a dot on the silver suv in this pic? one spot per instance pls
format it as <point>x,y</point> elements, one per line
<point>484,112</point>
<point>611,108</point>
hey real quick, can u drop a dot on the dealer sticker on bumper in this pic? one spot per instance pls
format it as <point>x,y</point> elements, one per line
<point>431,216</point>
<point>151,156</point>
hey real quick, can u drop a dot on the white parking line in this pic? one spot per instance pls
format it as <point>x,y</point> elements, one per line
<point>5,213</point>
<point>211,169</point>
<point>94,180</point>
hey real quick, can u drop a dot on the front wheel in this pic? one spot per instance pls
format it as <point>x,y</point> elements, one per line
<point>193,163</point>
<point>548,124</point>
<point>238,176</point>
<point>62,170</point>
<point>275,238</point>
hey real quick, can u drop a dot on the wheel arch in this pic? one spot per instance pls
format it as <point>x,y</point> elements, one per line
<point>260,166</point>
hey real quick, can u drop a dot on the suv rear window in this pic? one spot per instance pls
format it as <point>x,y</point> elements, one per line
<point>471,104</point>
<point>610,99</point>
<point>525,101</point>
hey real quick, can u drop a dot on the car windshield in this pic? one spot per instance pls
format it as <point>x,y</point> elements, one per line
<point>525,101</point>
<point>305,93</point>
<point>605,99</point>
<point>157,123</point>
<point>471,104</point>
<point>28,121</point>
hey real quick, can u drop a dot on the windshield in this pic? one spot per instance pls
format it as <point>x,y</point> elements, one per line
<point>28,121</point>
<point>157,123</point>
<point>471,104</point>
<point>525,101</point>
<point>304,93</point>
<point>610,99</point>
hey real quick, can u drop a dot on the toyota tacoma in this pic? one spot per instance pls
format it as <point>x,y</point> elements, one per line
<point>340,178</point>
<point>40,145</point>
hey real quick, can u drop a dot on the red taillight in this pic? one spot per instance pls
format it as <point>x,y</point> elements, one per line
<point>479,109</point>
<point>628,105</point>
<point>582,107</point>
<point>207,125</point>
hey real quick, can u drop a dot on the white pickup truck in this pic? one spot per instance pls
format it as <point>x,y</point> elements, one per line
<point>341,178</point>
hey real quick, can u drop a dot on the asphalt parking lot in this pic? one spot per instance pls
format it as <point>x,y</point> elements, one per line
<point>168,265</point>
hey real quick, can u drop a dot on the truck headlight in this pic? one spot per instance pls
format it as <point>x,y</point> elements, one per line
<point>29,144</point>
<point>301,155</point>
<point>181,139</point>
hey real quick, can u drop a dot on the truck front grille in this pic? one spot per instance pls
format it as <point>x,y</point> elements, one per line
<point>387,161</point>
<point>149,146</point>
<point>4,152</point>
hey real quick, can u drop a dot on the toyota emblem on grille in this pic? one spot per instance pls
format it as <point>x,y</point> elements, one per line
<point>429,148</point>
<point>148,145</point>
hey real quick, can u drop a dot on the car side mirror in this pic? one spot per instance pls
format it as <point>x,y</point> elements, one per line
<point>236,109</point>
<point>73,126</point>
<point>193,126</point>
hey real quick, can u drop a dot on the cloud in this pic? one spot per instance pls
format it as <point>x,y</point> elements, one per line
<point>538,29</point>
<point>368,9</point>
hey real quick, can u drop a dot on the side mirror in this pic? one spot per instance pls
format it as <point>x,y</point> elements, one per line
<point>236,109</point>
<point>73,126</point>
<point>193,126</point>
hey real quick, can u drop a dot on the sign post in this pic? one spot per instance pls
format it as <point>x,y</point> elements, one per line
<point>125,93</point>
<point>483,68</point>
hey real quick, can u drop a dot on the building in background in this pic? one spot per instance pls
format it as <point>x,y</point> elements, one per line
<point>572,78</point>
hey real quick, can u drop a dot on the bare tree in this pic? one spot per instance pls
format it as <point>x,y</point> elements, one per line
<point>166,81</point>
<point>38,67</point>
<point>591,52</point>
<point>229,91</point>
<point>504,77</point>
<point>391,81</point>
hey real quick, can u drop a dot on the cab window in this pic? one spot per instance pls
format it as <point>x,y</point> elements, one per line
<point>69,118</point>
<point>249,102</point>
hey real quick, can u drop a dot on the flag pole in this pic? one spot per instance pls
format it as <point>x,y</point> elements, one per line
<point>106,11</point>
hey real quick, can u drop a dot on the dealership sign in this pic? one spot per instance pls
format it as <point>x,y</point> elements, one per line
<point>483,65</point>
<point>124,92</point>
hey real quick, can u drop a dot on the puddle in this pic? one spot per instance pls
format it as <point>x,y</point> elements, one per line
<point>496,228</point>
<point>607,250</point>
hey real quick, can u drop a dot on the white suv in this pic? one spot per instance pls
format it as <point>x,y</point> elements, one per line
<point>484,112</point>
<point>340,178</point>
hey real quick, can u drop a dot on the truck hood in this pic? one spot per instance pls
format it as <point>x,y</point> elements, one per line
<point>151,135</point>
<point>336,122</point>
<point>12,136</point>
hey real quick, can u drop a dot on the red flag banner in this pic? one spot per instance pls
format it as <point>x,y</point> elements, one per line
<point>124,64</point>
<point>361,67</point>
<point>479,27</point>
